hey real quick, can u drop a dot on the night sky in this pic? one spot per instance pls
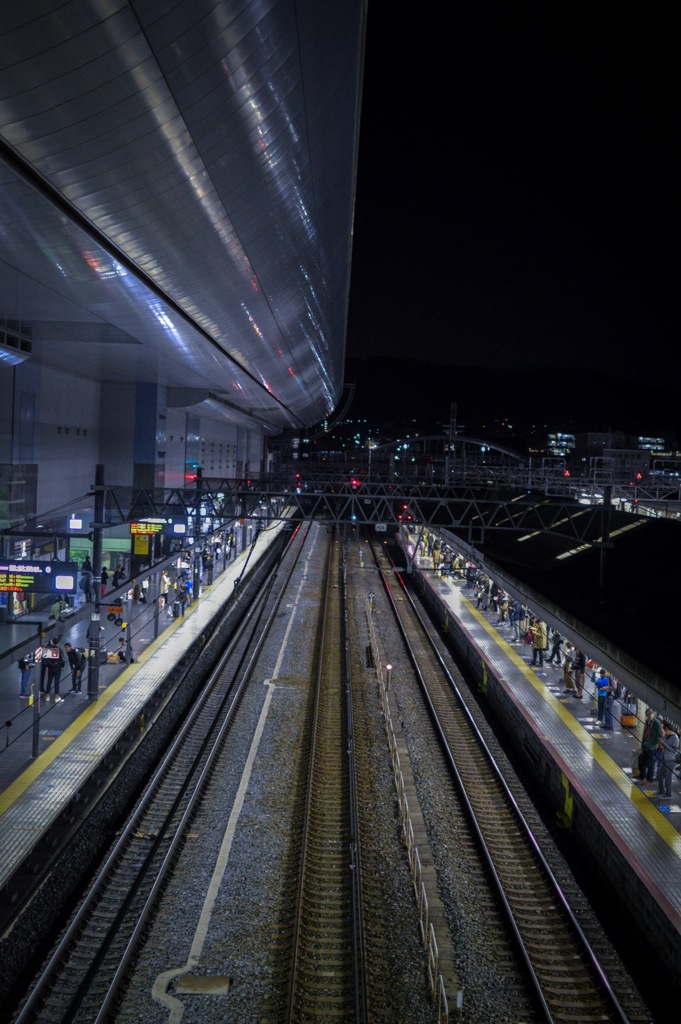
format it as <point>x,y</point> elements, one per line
<point>515,207</point>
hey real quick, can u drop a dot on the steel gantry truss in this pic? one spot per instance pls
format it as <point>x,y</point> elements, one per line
<point>471,511</point>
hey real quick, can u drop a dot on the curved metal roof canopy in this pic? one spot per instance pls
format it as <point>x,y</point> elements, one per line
<point>176,195</point>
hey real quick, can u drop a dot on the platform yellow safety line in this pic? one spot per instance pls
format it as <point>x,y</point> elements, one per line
<point>58,745</point>
<point>46,758</point>
<point>599,754</point>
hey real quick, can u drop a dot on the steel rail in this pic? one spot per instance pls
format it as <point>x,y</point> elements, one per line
<point>171,832</point>
<point>327,932</point>
<point>617,1012</point>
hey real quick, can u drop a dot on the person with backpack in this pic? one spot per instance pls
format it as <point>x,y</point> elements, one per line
<point>579,665</point>
<point>76,659</point>
<point>54,658</point>
<point>515,615</point>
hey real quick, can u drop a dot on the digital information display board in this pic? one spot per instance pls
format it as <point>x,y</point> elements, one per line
<point>146,527</point>
<point>39,577</point>
<point>168,526</point>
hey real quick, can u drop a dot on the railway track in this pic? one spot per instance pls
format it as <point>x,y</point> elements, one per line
<point>565,980</point>
<point>83,977</point>
<point>321,941</point>
<point>328,968</point>
<point>325,916</point>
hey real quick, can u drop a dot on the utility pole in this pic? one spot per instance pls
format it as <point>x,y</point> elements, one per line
<point>453,436</point>
<point>94,632</point>
<point>451,442</point>
<point>198,537</point>
<point>605,543</point>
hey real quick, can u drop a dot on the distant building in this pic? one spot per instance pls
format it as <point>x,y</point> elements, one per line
<point>627,463</point>
<point>593,444</point>
<point>556,445</point>
<point>651,444</point>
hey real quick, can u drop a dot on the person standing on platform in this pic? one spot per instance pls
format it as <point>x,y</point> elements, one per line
<point>602,688</point>
<point>85,585</point>
<point>568,658</point>
<point>25,666</point>
<point>165,585</point>
<point>58,607</point>
<point>556,644</point>
<point>669,754</point>
<point>515,616</point>
<point>104,581</point>
<point>118,576</point>
<point>611,693</point>
<point>652,737</point>
<point>540,643</point>
<point>525,621</point>
<point>579,662</point>
<point>87,580</point>
<point>55,663</point>
<point>76,659</point>
<point>182,595</point>
<point>43,666</point>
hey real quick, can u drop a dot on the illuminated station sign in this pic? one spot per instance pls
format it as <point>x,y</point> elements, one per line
<point>39,577</point>
<point>148,527</point>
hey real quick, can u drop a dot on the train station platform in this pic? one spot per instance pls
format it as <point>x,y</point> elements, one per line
<point>584,770</point>
<point>76,733</point>
<point>619,826</point>
<point>30,726</point>
<point>543,688</point>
